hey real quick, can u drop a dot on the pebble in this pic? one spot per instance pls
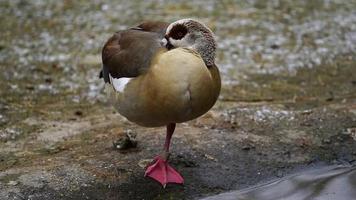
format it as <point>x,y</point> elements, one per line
<point>209,157</point>
<point>12,183</point>
<point>126,142</point>
<point>327,141</point>
<point>143,163</point>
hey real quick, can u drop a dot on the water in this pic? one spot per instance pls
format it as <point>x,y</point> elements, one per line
<point>333,182</point>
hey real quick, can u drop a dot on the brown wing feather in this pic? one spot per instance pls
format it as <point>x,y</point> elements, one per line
<point>154,26</point>
<point>129,53</point>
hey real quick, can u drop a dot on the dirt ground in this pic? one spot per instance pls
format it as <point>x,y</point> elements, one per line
<point>288,101</point>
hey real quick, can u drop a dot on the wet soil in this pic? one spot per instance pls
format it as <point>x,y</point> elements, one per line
<point>288,101</point>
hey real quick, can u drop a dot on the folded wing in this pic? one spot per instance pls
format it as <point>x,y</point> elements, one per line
<point>129,53</point>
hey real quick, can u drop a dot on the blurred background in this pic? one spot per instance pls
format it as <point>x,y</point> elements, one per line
<point>288,99</point>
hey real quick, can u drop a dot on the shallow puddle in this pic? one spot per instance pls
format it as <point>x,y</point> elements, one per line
<point>336,182</point>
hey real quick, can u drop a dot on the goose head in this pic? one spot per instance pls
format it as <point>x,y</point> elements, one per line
<point>192,34</point>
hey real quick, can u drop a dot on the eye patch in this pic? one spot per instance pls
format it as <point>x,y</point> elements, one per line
<point>178,32</point>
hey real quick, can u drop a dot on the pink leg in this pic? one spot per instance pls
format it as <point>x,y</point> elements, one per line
<point>170,131</point>
<point>160,169</point>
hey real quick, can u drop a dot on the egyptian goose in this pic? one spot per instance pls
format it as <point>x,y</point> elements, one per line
<point>160,74</point>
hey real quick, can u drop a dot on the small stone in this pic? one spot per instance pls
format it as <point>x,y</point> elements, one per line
<point>226,167</point>
<point>48,80</point>
<point>13,183</point>
<point>274,46</point>
<point>123,144</point>
<point>126,142</point>
<point>143,163</point>
<point>247,147</point>
<point>327,141</point>
<point>78,113</point>
<point>307,112</point>
<point>84,185</point>
<point>329,99</point>
<point>29,87</point>
<point>209,157</point>
<point>351,132</point>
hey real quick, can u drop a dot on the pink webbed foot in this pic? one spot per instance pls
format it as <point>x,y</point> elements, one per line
<point>163,173</point>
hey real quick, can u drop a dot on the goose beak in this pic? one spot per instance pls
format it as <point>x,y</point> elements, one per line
<point>165,42</point>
